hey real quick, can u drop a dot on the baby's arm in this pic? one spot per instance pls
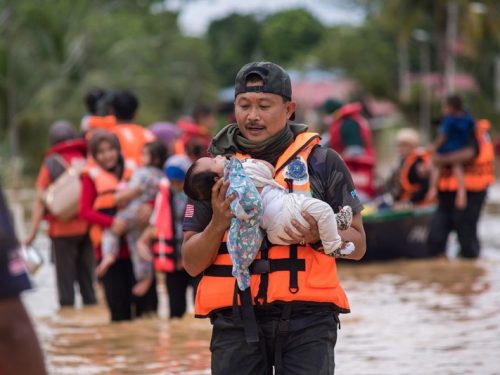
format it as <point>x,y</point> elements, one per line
<point>125,196</point>
<point>267,164</point>
<point>133,190</point>
<point>440,139</point>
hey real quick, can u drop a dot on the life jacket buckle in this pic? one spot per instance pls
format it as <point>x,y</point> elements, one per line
<point>260,266</point>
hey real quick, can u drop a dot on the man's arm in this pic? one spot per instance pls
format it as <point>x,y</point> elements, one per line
<point>355,234</point>
<point>461,156</point>
<point>36,216</point>
<point>200,249</point>
<point>20,352</point>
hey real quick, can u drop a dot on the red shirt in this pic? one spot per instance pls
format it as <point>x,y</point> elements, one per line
<point>95,217</point>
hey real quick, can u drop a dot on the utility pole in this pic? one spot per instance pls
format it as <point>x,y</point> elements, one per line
<point>451,39</point>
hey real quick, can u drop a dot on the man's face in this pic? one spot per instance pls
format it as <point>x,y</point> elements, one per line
<point>261,115</point>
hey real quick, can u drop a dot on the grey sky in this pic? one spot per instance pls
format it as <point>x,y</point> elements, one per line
<point>196,15</point>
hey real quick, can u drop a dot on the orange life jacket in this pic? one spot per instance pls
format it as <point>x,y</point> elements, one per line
<point>408,188</point>
<point>279,273</point>
<point>99,122</point>
<point>480,172</point>
<point>164,239</point>
<point>105,184</point>
<point>132,139</point>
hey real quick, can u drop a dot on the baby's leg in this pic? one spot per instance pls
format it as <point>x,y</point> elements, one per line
<point>344,218</point>
<point>461,197</point>
<point>327,224</point>
<point>143,269</point>
<point>110,247</point>
<point>433,184</point>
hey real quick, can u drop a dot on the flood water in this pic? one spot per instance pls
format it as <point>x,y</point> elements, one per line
<point>408,317</point>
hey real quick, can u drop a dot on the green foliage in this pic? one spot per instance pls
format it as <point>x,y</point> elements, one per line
<point>233,42</point>
<point>288,34</point>
<point>365,53</point>
<point>54,51</point>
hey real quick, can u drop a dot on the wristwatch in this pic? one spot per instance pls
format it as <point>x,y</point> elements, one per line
<point>317,245</point>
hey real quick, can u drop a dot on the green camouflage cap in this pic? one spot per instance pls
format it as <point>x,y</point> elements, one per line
<point>276,79</point>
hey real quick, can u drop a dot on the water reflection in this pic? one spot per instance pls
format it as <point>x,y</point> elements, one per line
<point>408,317</point>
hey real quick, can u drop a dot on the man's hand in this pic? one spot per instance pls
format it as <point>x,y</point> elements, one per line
<point>305,234</point>
<point>221,206</point>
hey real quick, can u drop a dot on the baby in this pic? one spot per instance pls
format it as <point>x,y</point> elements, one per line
<point>260,198</point>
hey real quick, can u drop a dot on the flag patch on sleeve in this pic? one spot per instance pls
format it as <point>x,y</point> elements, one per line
<point>189,211</point>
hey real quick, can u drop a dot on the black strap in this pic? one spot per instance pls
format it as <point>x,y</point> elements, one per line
<point>289,184</point>
<point>261,267</point>
<point>56,166</point>
<point>293,285</point>
<point>223,249</point>
<point>283,329</point>
<point>261,297</point>
<point>246,313</point>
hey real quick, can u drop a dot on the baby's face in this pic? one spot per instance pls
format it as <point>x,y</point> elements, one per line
<point>211,164</point>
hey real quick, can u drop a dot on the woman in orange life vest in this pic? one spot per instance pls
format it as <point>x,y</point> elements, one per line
<point>287,318</point>
<point>98,205</point>
<point>479,174</point>
<point>161,241</point>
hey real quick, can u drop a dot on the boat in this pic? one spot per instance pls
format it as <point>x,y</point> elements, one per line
<point>394,234</point>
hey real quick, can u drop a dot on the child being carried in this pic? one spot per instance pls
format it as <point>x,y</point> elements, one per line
<point>274,206</point>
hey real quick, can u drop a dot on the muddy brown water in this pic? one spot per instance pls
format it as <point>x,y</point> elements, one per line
<point>408,317</point>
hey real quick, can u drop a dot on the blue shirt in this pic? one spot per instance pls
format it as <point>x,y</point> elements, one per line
<point>457,130</point>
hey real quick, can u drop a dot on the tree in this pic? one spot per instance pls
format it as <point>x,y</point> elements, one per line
<point>289,34</point>
<point>233,42</point>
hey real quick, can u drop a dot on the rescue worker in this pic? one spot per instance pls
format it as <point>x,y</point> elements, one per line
<point>409,181</point>
<point>351,137</point>
<point>123,105</point>
<point>479,174</point>
<point>288,317</point>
